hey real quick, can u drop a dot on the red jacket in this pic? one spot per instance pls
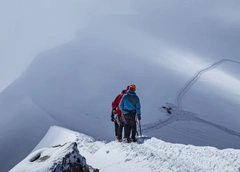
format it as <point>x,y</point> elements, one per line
<point>116,102</point>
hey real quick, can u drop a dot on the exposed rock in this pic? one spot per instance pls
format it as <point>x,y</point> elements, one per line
<point>59,158</point>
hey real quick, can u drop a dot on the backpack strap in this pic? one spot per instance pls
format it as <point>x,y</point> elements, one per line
<point>132,99</point>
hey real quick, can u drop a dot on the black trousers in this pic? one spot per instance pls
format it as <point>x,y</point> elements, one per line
<point>120,127</point>
<point>130,125</point>
<point>116,128</point>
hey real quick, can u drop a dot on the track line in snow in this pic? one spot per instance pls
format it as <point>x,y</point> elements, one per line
<point>178,114</point>
<point>194,79</point>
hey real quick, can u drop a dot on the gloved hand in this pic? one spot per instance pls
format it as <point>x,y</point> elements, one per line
<point>139,118</point>
<point>122,118</point>
<point>114,111</point>
<point>112,118</point>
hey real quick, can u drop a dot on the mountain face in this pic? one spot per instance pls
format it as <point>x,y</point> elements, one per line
<point>73,85</point>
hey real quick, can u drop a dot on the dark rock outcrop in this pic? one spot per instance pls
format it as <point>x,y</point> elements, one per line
<point>60,158</point>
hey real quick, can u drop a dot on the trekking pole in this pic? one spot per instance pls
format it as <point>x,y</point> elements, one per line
<point>137,129</point>
<point>140,128</point>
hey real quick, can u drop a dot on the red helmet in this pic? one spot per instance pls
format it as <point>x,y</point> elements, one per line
<point>132,87</point>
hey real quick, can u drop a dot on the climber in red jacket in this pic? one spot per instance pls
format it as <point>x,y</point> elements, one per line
<point>116,116</point>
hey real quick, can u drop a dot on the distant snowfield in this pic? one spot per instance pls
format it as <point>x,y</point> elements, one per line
<point>153,155</point>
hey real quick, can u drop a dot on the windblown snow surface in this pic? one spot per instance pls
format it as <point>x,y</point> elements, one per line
<point>153,155</point>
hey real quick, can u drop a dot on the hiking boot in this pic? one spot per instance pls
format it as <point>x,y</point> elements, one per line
<point>119,140</point>
<point>116,137</point>
<point>125,140</point>
<point>133,140</point>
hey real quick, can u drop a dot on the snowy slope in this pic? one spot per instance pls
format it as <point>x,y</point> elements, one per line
<point>187,128</point>
<point>73,85</point>
<point>153,155</point>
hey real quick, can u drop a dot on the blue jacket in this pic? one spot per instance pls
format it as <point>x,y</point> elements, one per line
<point>126,106</point>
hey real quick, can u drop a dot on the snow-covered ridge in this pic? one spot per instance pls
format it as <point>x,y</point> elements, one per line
<point>153,155</point>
